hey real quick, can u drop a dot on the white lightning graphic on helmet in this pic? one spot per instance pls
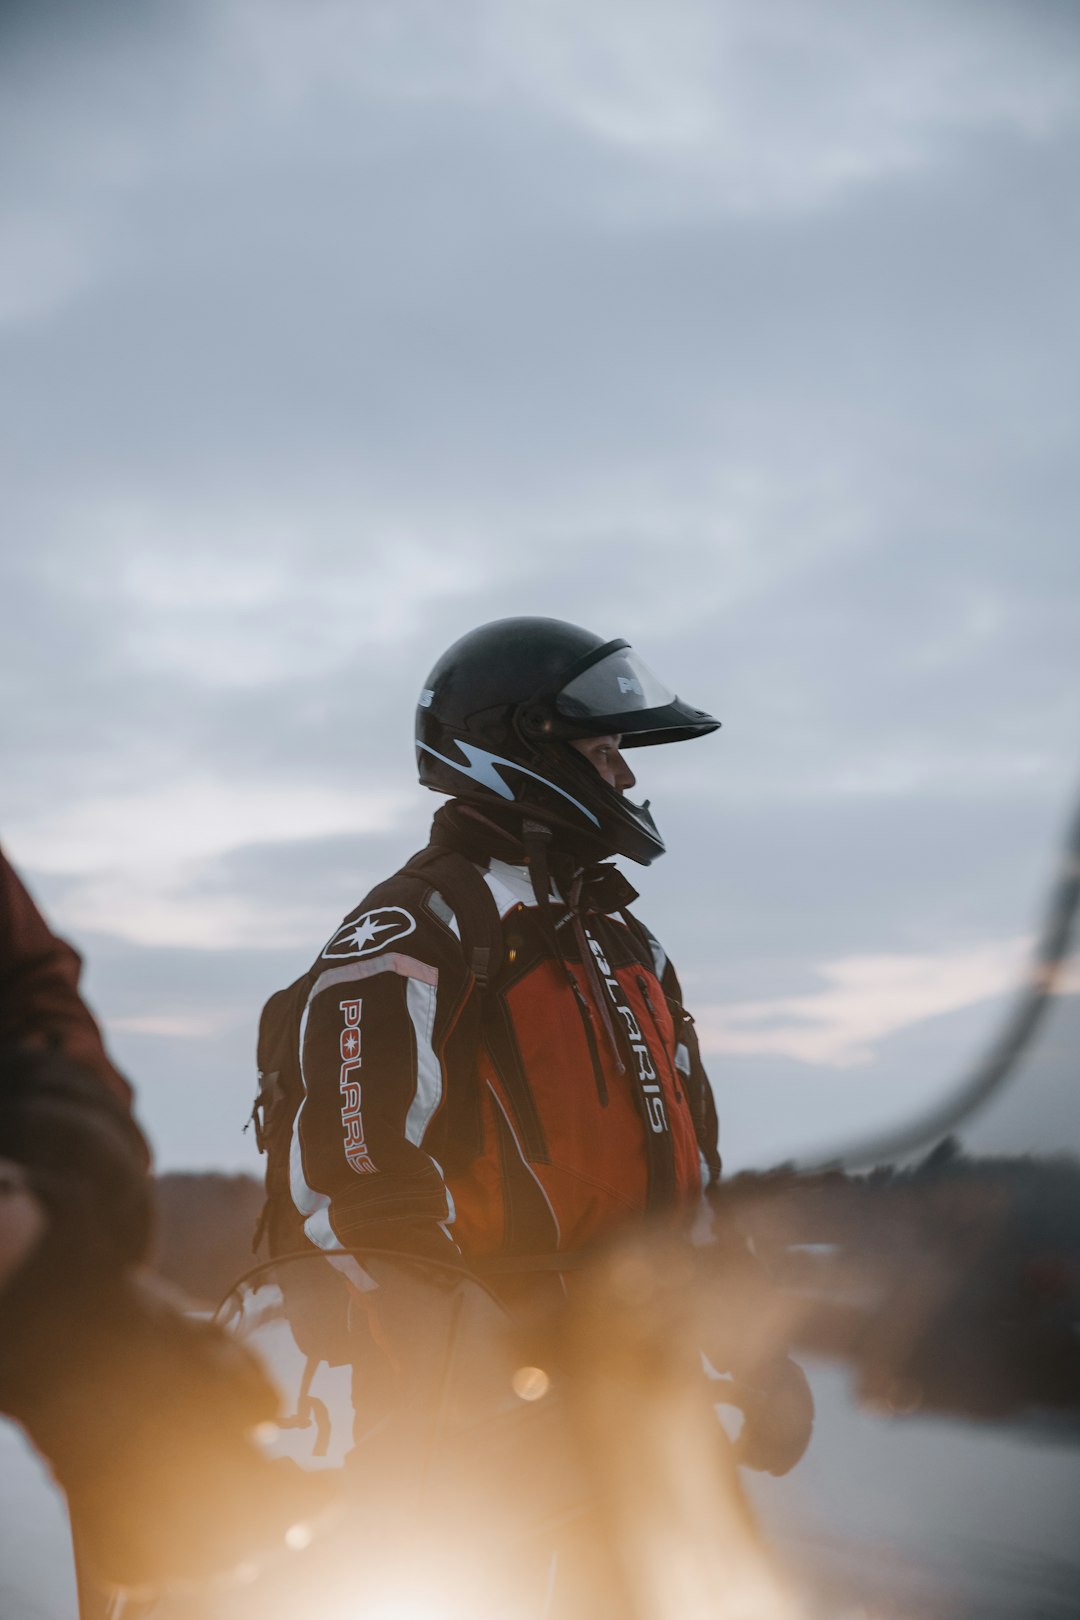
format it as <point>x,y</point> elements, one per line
<point>481,768</point>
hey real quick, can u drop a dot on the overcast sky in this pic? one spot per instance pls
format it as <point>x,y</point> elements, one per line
<point>330,330</point>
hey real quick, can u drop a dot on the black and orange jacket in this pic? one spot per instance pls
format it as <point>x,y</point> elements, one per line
<point>531,1115</point>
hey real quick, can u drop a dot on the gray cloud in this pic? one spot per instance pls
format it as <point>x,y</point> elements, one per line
<point>328,334</point>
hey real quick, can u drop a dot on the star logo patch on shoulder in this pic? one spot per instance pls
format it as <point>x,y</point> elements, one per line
<point>371,933</point>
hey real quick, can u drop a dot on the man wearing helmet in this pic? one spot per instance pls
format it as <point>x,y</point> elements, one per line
<point>526,1090</point>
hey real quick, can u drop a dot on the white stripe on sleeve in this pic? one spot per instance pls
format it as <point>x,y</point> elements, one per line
<point>420,1000</point>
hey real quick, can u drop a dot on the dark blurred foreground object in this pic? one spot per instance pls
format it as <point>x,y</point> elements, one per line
<point>65,1111</point>
<point>40,1003</point>
<point>148,1419</point>
<point>778,1417</point>
<point>144,1415</point>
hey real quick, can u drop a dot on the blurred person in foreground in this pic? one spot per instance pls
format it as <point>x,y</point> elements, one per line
<point>143,1414</point>
<point>490,1060</point>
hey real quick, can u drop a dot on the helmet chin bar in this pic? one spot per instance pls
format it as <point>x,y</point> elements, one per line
<point>625,828</point>
<point>558,787</point>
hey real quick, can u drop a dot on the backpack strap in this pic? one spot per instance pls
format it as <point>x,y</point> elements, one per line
<point>462,886</point>
<point>280,1089</point>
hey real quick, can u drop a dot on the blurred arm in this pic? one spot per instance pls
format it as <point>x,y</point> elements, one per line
<point>39,986</point>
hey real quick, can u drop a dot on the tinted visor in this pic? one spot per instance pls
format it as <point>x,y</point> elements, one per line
<point>619,684</point>
<point>620,693</point>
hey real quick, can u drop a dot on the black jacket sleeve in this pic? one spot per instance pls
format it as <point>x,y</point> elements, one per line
<point>381,1002</point>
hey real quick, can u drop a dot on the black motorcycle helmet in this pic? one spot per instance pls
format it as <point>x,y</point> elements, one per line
<point>501,705</point>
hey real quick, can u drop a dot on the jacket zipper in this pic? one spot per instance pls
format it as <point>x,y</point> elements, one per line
<point>644,988</point>
<point>586,1023</point>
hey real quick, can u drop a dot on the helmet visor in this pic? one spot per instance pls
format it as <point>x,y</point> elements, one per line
<point>620,684</point>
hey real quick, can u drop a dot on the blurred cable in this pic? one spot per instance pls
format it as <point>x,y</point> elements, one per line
<point>998,1064</point>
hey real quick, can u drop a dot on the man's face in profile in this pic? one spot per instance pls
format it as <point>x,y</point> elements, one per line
<point>603,753</point>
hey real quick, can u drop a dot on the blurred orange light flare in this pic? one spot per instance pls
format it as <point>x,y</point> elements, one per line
<point>530,1383</point>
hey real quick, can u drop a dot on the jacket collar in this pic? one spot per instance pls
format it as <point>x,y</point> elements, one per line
<point>484,837</point>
